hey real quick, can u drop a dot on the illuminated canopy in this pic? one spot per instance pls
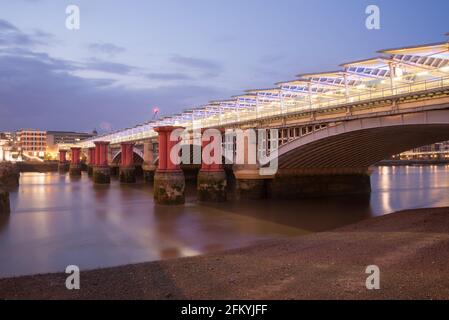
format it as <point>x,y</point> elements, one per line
<point>397,70</point>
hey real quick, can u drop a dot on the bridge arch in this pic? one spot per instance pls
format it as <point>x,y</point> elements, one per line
<point>363,142</point>
<point>138,156</point>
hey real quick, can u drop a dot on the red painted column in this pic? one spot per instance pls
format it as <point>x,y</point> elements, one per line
<point>165,147</point>
<point>214,166</point>
<point>170,144</point>
<point>127,158</point>
<point>62,156</point>
<point>76,155</point>
<point>204,166</point>
<point>91,154</point>
<point>101,153</point>
<point>162,141</point>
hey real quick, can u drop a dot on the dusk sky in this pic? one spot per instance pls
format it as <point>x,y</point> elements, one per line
<point>130,56</point>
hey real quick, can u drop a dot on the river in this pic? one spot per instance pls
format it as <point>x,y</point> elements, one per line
<point>58,221</point>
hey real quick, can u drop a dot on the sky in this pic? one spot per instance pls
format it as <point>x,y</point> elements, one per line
<point>131,56</point>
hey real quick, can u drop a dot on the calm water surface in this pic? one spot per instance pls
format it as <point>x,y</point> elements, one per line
<point>57,221</point>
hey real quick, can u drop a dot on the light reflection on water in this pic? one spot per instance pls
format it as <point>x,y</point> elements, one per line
<point>57,221</point>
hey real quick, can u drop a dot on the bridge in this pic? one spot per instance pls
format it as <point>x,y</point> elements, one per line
<point>332,126</point>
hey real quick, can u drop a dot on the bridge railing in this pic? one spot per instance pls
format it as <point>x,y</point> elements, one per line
<point>274,109</point>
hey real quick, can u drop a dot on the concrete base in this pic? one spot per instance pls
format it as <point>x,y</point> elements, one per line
<point>9,175</point>
<point>169,187</point>
<point>148,176</point>
<point>251,188</point>
<point>114,171</point>
<point>102,175</point>
<point>148,172</point>
<point>300,186</point>
<point>90,170</point>
<point>128,174</point>
<point>211,186</point>
<point>63,167</point>
<point>75,170</point>
<point>4,202</point>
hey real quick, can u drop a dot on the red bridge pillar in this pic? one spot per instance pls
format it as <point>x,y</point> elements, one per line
<point>169,181</point>
<point>211,181</point>
<point>101,171</point>
<point>90,161</point>
<point>75,165</point>
<point>127,168</point>
<point>148,161</point>
<point>63,165</point>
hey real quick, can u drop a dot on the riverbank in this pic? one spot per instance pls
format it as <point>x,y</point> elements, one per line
<point>411,249</point>
<point>34,166</point>
<point>421,162</point>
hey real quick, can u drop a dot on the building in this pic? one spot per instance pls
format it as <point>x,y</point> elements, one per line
<point>436,151</point>
<point>63,139</point>
<point>31,143</point>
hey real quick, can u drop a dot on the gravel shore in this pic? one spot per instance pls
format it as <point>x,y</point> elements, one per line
<point>411,248</point>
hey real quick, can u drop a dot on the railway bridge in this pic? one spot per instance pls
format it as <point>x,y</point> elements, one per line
<point>324,130</point>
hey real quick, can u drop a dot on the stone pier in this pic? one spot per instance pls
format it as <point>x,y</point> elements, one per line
<point>101,171</point>
<point>250,183</point>
<point>211,181</point>
<point>127,167</point>
<point>297,183</point>
<point>9,175</point>
<point>4,202</point>
<point>75,165</point>
<point>169,181</point>
<point>90,161</point>
<point>63,165</point>
<point>148,166</point>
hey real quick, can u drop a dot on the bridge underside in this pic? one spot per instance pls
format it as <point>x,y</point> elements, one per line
<point>362,148</point>
<point>340,164</point>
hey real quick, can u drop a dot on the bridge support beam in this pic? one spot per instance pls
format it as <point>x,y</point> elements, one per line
<point>300,183</point>
<point>211,180</point>
<point>4,202</point>
<point>127,168</point>
<point>148,166</point>
<point>101,171</point>
<point>63,165</point>
<point>169,181</point>
<point>90,161</point>
<point>250,184</point>
<point>75,165</point>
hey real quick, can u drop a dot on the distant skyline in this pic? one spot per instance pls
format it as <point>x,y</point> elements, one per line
<point>131,56</point>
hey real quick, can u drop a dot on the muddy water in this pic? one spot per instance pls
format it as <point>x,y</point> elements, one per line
<point>57,221</point>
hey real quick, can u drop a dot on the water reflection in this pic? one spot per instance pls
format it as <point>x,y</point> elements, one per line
<point>57,220</point>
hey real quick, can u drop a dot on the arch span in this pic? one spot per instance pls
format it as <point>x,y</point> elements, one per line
<point>364,142</point>
<point>138,157</point>
<point>336,160</point>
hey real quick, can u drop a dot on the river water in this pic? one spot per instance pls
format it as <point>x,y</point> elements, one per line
<point>58,221</point>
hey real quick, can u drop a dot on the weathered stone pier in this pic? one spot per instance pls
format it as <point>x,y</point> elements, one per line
<point>101,170</point>
<point>169,181</point>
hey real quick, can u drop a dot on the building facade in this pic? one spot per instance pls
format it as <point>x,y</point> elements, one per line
<point>31,143</point>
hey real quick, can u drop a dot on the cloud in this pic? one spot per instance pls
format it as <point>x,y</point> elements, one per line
<point>110,67</point>
<point>10,35</point>
<point>197,63</point>
<point>7,26</point>
<point>168,76</point>
<point>106,48</point>
<point>39,91</point>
